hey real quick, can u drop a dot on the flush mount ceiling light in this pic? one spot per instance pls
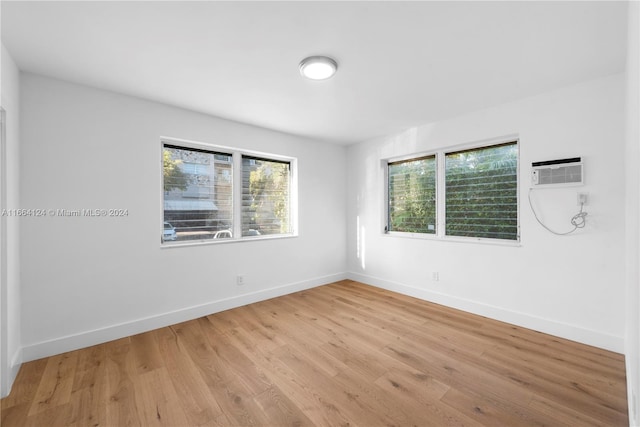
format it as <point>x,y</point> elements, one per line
<point>318,67</point>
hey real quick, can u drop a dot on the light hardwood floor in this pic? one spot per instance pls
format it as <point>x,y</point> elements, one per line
<point>344,354</point>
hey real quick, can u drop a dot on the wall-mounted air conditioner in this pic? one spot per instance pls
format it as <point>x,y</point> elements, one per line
<point>563,172</point>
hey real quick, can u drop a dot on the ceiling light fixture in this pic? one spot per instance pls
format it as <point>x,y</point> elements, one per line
<point>318,67</point>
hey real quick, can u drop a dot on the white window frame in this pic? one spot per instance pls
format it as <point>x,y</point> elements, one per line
<point>440,153</point>
<point>236,179</point>
<point>385,165</point>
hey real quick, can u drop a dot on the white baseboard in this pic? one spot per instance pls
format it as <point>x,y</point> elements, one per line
<point>562,330</point>
<point>16,363</point>
<point>632,399</point>
<point>113,332</point>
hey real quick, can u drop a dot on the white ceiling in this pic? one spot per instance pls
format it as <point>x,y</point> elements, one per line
<point>401,64</point>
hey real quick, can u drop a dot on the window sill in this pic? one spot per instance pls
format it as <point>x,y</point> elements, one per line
<point>189,243</point>
<point>472,240</point>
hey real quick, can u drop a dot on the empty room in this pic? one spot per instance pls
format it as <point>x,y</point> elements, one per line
<point>319,213</point>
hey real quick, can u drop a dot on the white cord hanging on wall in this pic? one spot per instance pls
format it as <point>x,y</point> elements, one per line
<point>578,220</point>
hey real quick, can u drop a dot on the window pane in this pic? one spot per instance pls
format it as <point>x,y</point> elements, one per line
<point>197,194</point>
<point>481,192</point>
<point>412,195</point>
<point>265,197</point>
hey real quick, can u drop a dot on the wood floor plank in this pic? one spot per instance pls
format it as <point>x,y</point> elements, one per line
<point>236,362</point>
<point>414,384</point>
<point>563,414</point>
<point>120,372</point>
<point>145,353</point>
<point>343,354</point>
<point>90,388</point>
<point>238,405</point>
<point>315,402</point>
<point>421,396</point>
<point>156,399</point>
<point>265,329</point>
<point>295,340</point>
<point>15,415</point>
<point>212,370</point>
<point>52,416</point>
<point>371,400</point>
<point>451,338</point>
<point>590,387</point>
<point>605,373</point>
<point>343,400</point>
<point>87,405</point>
<point>485,412</point>
<point>193,395</point>
<point>25,385</point>
<point>455,372</point>
<point>56,384</point>
<point>280,410</point>
<point>90,367</point>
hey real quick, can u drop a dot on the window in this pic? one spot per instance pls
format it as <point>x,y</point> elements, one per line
<point>478,189</point>
<point>482,192</point>
<point>224,194</point>
<point>196,204</point>
<point>265,196</point>
<point>412,195</point>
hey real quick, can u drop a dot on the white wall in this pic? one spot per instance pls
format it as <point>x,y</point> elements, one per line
<point>569,286</point>
<point>10,230</point>
<point>87,280</point>
<point>632,156</point>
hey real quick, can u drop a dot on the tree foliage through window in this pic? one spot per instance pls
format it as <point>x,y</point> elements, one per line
<point>481,192</point>
<point>174,177</point>
<point>265,196</point>
<point>412,195</point>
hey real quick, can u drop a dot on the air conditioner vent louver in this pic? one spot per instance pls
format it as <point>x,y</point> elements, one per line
<point>563,172</point>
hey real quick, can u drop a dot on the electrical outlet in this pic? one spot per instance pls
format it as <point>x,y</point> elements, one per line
<point>582,198</point>
<point>240,279</point>
<point>435,276</point>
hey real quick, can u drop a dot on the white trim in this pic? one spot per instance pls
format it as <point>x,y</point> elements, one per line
<point>205,242</point>
<point>441,200</point>
<point>6,379</point>
<point>384,169</point>
<point>16,363</point>
<point>440,155</point>
<point>384,164</point>
<point>236,187</point>
<point>222,149</point>
<point>293,197</point>
<point>487,143</point>
<point>454,239</point>
<point>413,156</point>
<point>551,327</point>
<point>117,331</point>
<point>161,180</point>
<point>503,139</point>
<point>236,198</point>
<point>9,364</point>
<point>121,330</point>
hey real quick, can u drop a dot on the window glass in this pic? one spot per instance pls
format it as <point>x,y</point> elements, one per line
<point>482,192</point>
<point>412,195</point>
<point>198,194</point>
<point>265,196</point>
